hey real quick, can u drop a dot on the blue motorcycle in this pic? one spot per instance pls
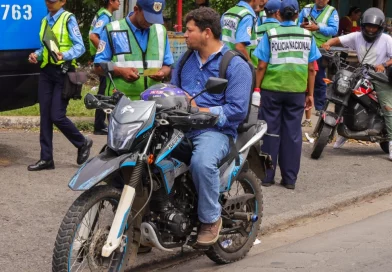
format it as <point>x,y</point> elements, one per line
<point>139,192</point>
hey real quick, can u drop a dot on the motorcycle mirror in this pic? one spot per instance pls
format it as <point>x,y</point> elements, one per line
<point>216,85</point>
<point>91,102</point>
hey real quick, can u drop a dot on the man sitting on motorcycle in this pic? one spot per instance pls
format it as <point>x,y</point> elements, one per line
<point>210,146</point>
<point>375,48</point>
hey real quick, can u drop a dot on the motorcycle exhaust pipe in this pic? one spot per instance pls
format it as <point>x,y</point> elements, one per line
<point>250,217</point>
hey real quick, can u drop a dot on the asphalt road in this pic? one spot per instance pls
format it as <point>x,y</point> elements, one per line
<point>32,204</point>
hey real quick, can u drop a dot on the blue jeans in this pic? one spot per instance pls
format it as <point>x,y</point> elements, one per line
<point>209,148</point>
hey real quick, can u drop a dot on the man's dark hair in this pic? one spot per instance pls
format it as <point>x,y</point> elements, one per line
<point>353,10</point>
<point>288,14</point>
<point>205,17</point>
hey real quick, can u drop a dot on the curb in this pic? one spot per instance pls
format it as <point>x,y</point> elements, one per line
<point>284,221</point>
<point>28,122</point>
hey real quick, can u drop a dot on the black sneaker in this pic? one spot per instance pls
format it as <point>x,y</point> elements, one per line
<point>267,184</point>
<point>287,186</point>
<point>84,151</point>
<point>103,131</point>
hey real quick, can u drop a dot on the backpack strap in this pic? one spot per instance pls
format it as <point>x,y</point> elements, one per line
<point>181,64</point>
<point>227,57</point>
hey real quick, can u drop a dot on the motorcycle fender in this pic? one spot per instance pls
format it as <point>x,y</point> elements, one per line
<point>95,170</point>
<point>330,118</point>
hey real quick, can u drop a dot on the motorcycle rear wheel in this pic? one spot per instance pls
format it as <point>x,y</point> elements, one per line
<point>225,251</point>
<point>321,141</point>
<point>84,230</point>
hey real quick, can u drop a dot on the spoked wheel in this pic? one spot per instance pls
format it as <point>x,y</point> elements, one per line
<point>84,231</point>
<point>321,141</point>
<point>237,237</point>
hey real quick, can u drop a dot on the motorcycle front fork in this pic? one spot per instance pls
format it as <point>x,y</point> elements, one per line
<point>320,121</point>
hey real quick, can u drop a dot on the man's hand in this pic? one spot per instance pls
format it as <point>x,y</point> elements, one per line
<point>310,27</point>
<point>33,58</point>
<point>159,76</point>
<point>60,55</point>
<point>379,68</point>
<point>326,46</point>
<point>129,74</point>
<point>308,102</point>
<point>194,105</point>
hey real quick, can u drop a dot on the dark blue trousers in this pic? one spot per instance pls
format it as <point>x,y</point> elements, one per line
<point>320,87</point>
<point>100,115</point>
<point>53,110</point>
<point>283,141</point>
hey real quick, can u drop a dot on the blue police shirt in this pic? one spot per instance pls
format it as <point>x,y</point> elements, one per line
<point>74,33</point>
<point>100,24</point>
<point>142,38</point>
<point>332,27</point>
<point>270,20</point>
<point>263,49</point>
<point>232,105</point>
<point>242,34</point>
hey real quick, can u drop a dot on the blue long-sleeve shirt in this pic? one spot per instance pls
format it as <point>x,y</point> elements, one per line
<point>329,29</point>
<point>78,48</point>
<point>232,105</point>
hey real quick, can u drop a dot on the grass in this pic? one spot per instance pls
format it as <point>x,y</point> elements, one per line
<point>75,108</point>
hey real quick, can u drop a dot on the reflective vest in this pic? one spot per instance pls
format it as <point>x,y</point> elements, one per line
<point>102,11</point>
<point>287,70</point>
<point>60,30</point>
<point>231,20</point>
<point>264,28</point>
<point>262,16</point>
<point>322,19</point>
<point>152,58</point>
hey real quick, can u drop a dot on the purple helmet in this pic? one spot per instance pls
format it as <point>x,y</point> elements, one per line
<point>166,96</point>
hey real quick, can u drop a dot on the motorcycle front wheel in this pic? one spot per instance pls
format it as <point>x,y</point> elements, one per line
<point>321,141</point>
<point>83,233</point>
<point>234,246</point>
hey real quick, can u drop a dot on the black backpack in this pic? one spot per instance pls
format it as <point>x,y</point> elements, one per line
<point>222,71</point>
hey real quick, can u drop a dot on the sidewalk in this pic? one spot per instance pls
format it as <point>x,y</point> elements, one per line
<point>339,178</point>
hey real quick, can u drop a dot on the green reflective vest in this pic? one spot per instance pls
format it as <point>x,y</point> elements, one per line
<point>231,20</point>
<point>60,30</point>
<point>261,29</point>
<point>152,58</point>
<point>287,70</point>
<point>263,16</point>
<point>93,49</point>
<point>322,19</point>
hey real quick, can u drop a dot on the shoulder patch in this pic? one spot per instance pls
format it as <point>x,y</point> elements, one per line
<point>249,31</point>
<point>99,24</point>
<point>101,46</point>
<point>76,31</point>
<point>336,17</point>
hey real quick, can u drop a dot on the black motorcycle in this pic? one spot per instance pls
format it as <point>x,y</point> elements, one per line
<point>137,192</point>
<point>357,114</point>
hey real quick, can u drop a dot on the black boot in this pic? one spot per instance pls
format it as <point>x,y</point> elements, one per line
<point>84,151</point>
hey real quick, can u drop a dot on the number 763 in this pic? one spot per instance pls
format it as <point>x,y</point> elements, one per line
<point>16,12</point>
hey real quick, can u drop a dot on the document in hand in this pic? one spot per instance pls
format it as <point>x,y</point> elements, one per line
<point>50,42</point>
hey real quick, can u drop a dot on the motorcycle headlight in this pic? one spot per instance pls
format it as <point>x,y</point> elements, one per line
<point>121,136</point>
<point>343,86</point>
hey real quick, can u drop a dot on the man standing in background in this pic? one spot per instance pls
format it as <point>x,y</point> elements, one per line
<point>273,17</point>
<point>101,19</point>
<point>323,21</point>
<point>239,28</point>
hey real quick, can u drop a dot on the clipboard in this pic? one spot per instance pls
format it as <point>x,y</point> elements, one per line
<point>50,42</point>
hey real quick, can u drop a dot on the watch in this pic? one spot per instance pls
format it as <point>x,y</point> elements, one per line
<point>385,65</point>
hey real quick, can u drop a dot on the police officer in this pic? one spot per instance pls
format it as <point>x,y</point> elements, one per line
<point>139,48</point>
<point>239,28</point>
<point>101,19</point>
<point>272,19</point>
<point>326,26</point>
<point>260,11</point>
<point>51,82</point>
<point>285,58</point>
